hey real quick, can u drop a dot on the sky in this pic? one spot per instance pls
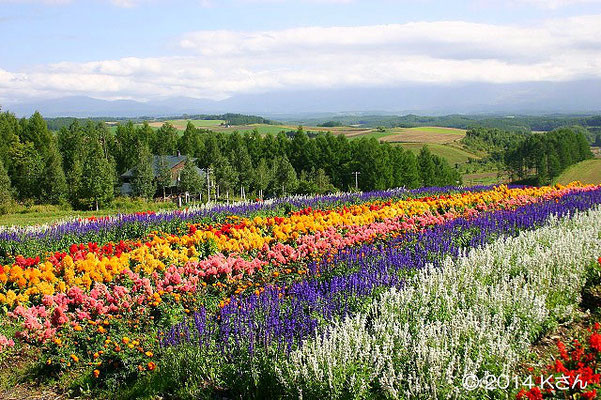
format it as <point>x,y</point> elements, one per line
<point>215,49</point>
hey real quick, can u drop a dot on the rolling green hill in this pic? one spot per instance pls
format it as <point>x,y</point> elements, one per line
<point>588,171</point>
<point>451,154</point>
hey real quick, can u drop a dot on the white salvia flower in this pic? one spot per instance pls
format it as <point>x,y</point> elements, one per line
<point>477,313</point>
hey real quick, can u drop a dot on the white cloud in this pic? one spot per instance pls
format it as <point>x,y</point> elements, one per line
<point>223,63</point>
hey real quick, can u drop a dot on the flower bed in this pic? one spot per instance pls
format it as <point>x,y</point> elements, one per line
<point>249,281</point>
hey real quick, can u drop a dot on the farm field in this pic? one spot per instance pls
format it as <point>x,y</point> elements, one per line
<point>451,153</point>
<point>588,171</point>
<point>275,129</point>
<point>260,299</point>
<point>424,135</point>
<point>215,125</point>
<point>180,124</point>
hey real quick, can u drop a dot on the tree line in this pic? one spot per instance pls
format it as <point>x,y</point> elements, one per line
<point>82,163</point>
<point>545,156</point>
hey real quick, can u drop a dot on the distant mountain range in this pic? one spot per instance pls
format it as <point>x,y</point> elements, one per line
<point>525,98</point>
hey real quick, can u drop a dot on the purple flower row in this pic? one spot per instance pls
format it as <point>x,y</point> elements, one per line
<point>58,237</point>
<point>278,320</point>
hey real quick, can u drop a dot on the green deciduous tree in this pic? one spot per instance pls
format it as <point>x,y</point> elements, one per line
<point>261,177</point>
<point>97,176</point>
<point>143,179</point>
<point>285,178</point>
<point>126,144</point>
<point>26,170</point>
<point>164,177</point>
<point>5,192</point>
<point>427,168</point>
<point>225,175</point>
<point>53,183</point>
<point>190,180</point>
<point>166,140</point>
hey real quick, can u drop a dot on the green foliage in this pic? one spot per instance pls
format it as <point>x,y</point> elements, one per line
<point>191,143</point>
<point>285,179</point>
<point>97,177</point>
<point>330,124</point>
<point>83,161</point>
<point>5,195</point>
<point>26,169</point>
<point>262,176</point>
<point>190,180</point>
<point>426,167</point>
<point>225,175</point>
<point>166,140</point>
<point>164,176</point>
<point>545,156</point>
<point>53,181</point>
<point>315,182</point>
<point>143,180</point>
<point>124,149</point>
<point>492,140</point>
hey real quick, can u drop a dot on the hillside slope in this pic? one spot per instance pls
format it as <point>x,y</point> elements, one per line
<point>588,171</point>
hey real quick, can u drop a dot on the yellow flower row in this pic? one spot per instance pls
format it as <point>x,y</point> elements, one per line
<point>18,285</point>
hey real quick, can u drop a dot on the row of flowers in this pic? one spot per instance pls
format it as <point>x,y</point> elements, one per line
<point>174,265</point>
<point>449,330</point>
<point>101,303</point>
<point>30,241</point>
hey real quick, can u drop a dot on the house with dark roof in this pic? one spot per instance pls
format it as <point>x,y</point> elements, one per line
<point>175,165</point>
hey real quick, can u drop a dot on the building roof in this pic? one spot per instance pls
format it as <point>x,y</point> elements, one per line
<point>172,161</point>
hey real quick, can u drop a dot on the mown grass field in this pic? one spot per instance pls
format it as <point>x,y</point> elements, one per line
<point>424,135</point>
<point>588,171</point>
<point>482,178</point>
<point>450,153</point>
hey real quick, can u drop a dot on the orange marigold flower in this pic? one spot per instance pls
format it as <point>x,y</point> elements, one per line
<point>125,340</point>
<point>149,354</point>
<point>74,358</point>
<point>77,328</point>
<point>96,373</point>
<point>151,366</point>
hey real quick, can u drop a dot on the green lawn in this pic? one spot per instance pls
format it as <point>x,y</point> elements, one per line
<point>588,171</point>
<point>482,178</point>
<point>450,153</point>
<point>47,214</point>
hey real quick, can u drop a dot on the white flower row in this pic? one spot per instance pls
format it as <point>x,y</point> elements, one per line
<point>478,313</point>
